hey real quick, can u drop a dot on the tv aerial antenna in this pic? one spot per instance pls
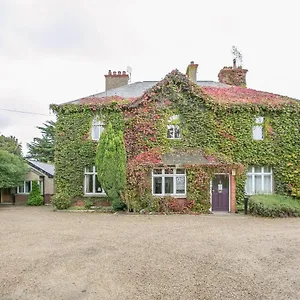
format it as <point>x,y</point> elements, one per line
<point>129,71</point>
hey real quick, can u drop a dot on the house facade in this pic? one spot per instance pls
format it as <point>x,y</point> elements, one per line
<point>191,145</point>
<point>42,173</point>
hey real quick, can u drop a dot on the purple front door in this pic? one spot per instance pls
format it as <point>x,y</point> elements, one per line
<point>220,193</point>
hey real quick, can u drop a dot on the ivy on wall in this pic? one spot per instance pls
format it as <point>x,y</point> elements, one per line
<point>221,128</point>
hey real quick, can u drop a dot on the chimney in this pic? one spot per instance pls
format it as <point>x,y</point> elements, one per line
<point>191,72</point>
<point>233,75</point>
<point>115,79</point>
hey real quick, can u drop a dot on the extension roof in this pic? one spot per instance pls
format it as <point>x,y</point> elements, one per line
<point>44,168</point>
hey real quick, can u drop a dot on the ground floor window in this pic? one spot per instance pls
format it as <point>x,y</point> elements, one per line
<point>169,181</point>
<point>259,180</point>
<point>26,187</point>
<point>92,185</point>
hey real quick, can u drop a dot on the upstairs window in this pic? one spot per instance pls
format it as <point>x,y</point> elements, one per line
<point>92,185</point>
<point>174,128</point>
<point>258,134</point>
<point>97,129</point>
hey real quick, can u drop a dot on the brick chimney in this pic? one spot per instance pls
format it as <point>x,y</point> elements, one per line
<point>233,75</point>
<point>115,79</point>
<point>191,71</point>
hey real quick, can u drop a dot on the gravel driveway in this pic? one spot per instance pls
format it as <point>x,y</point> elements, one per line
<point>59,255</point>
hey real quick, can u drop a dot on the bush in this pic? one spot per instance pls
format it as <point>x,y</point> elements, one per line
<point>61,201</point>
<point>274,206</point>
<point>87,203</point>
<point>35,198</point>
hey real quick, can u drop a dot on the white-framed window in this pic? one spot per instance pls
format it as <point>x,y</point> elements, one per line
<point>97,129</point>
<point>26,187</point>
<point>92,185</point>
<point>259,180</point>
<point>173,128</point>
<point>258,129</point>
<point>169,181</point>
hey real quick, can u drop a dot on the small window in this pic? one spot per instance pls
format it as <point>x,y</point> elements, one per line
<point>169,181</point>
<point>259,180</point>
<point>97,129</point>
<point>92,185</point>
<point>173,128</point>
<point>258,129</point>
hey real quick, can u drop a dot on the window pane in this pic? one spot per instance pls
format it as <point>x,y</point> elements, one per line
<point>250,169</point>
<point>89,183</point>
<point>180,185</point>
<point>259,120</point>
<point>21,188</point>
<point>96,132</point>
<point>249,185</point>
<point>169,185</point>
<point>177,132</point>
<point>257,169</point>
<point>267,184</point>
<point>180,171</point>
<point>169,171</point>
<point>27,187</point>
<point>258,184</point>
<point>267,169</point>
<point>257,133</point>
<point>98,188</point>
<point>170,134</point>
<point>157,185</point>
<point>88,169</point>
<point>157,171</point>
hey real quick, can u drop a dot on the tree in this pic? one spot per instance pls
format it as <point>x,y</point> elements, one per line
<point>42,149</point>
<point>237,56</point>
<point>13,169</point>
<point>35,198</point>
<point>10,144</point>
<point>111,165</point>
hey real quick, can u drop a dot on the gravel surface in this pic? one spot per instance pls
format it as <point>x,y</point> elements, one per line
<point>59,255</point>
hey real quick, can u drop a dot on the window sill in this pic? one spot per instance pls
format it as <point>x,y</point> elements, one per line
<point>176,139</point>
<point>95,195</point>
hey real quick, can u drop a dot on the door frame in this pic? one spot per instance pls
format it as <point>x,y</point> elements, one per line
<point>229,191</point>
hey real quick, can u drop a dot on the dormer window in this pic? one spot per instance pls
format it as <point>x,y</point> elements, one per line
<point>97,129</point>
<point>174,128</point>
<point>258,129</point>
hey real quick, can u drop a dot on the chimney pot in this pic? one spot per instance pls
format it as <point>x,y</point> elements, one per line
<point>114,73</point>
<point>124,73</point>
<point>119,72</point>
<point>109,72</point>
<point>115,79</point>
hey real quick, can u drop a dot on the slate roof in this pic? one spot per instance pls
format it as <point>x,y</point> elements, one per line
<point>47,169</point>
<point>135,90</point>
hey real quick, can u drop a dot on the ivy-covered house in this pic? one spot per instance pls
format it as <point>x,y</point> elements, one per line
<point>190,145</point>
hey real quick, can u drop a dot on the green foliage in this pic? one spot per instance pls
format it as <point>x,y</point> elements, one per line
<point>13,169</point>
<point>274,206</point>
<point>111,165</point>
<point>42,149</point>
<point>61,201</point>
<point>88,203</point>
<point>224,128</point>
<point>11,145</point>
<point>35,198</point>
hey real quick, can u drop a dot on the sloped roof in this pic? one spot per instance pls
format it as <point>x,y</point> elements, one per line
<point>130,91</point>
<point>240,95</point>
<point>47,169</point>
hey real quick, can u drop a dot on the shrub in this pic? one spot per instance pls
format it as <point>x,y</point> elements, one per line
<point>274,206</point>
<point>87,203</point>
<point>35,198</point>
<point>61,201</point>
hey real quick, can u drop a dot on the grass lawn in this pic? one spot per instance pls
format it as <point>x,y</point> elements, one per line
<point>274,206</point>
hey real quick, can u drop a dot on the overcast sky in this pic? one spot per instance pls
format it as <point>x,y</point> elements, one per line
<point>53,51</point>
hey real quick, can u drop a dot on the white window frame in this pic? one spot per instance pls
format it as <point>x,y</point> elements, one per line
<point>94,175</point>
<point>24,184</point>
<point>171,126</point>
<point>258,129</point>
<point>172,175</point>
<point>252,173</point>
<point>97,128</point>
